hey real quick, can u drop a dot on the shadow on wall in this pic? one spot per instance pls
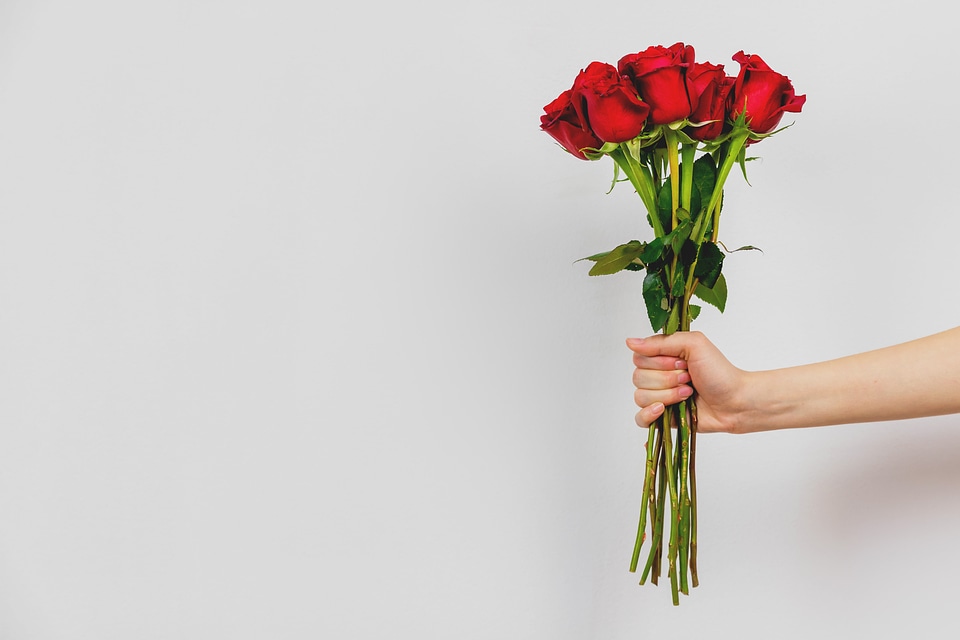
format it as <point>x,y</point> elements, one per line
<point>902,481</point>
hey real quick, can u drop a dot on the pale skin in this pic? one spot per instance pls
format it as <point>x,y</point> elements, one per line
<point>913,379</point>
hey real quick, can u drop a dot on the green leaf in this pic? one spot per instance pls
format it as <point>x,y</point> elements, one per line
<point>696,202</point>
<point>709,264</point>
<point>704,177</point>
<point>655,299</point>
<point>665,205</point>
<point>652,251</point>
<point>679,281</point>
<point>617,259</point>
<point>673,321</point>
<point>716,295</point>
<point>594,257</point>
<point>678,236</point>
<point>694,311</point>
<point>688,253</point>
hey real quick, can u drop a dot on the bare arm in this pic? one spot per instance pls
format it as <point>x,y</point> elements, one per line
<point>909,380</point>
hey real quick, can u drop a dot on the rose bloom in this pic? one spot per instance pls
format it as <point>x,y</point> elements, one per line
<point>561,121</point>
<point>709,88</point>
<point>660,76</point>
<point>762,93</point>
<point>608,103</point>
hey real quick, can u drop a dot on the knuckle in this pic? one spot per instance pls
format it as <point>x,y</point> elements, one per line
<point>638,397</point>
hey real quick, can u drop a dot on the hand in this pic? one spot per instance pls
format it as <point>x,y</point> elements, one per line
<point>667,366</point>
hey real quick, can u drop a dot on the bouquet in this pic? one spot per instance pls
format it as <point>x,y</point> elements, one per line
<point>674,128</point>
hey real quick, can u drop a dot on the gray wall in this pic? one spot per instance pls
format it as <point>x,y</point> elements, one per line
<point>292,344</point>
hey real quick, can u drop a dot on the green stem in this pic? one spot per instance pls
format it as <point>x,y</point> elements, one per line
<point>683,438</point>
<point>661,512</point>
<point>643,183</point>
<point>716,219</point>
<point>674,509</point>
<point>656,542</point>
<point>736,143</point>
<point>687,153</point>
<point>693,494</point>
<point>670,136</point>
<point>673,157</point>
<point>688,423</point>
<point>649,477</point>
<point>670,466</point>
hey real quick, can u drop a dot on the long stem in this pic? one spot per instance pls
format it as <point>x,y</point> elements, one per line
<point>669,466</point>
<point>661,509</point>
<point>674,506</point>
<point>733,152</point>
<point>687,153</point>
<point>670,136</point>
<point>653,558</point>
<point>649,477</point>
<point>643,183</point>
<point>683,435</point>
<point>716,219</point>
<point>685,513</point>
<point>693,494</point>
<point>688,422</point>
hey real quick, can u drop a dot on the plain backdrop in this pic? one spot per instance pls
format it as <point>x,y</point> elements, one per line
<point>293,343</point>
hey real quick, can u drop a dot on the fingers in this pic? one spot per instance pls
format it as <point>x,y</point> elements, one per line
<point>652,379</point>
<point>673,345</point>
<point>663,363</point>
<point>660,376</point>
<point>673,395</point>
<point>647,415</point>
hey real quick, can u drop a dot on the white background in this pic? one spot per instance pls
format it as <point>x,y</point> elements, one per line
<point>293,345</point>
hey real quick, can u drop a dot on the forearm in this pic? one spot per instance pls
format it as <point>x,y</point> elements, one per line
<point>909,380</point>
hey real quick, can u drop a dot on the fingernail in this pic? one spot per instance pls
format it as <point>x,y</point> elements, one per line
<point>656,408</point>
<point>685,392</point>
<point>679,364</point>
<point>635,341</point>
<point>683,377</point>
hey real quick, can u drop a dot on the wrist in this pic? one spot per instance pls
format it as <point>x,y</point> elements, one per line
<point>753,407</point>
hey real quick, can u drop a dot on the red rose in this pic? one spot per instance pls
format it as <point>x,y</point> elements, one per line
<point>762,93</point>
<point>608,103</point>
<point>660,76</point>
<point>562,122</point>
<point>709,88</point>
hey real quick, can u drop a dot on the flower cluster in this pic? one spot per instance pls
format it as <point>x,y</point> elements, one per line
<point>653,114</point>
<point>666,86</point>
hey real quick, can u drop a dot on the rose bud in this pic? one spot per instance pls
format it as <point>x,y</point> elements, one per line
<point>709,88</point>
<point>762,94</point>
<point>608,103</point>
<point>561,121</point>
<point>660,76</point>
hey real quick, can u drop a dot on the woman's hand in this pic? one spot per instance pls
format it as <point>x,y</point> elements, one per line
<point>907,380</point>
<point>669,369</point>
